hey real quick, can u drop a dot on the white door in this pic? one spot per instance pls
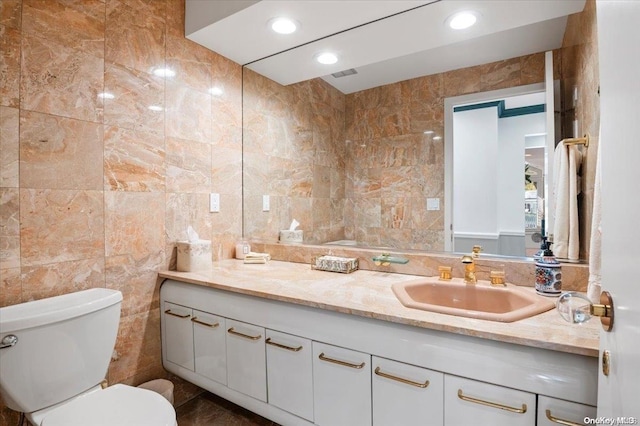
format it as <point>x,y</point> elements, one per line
<point>618,41</point>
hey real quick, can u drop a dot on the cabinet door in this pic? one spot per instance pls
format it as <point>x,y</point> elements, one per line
<point>209,345</point>
<point>246,360</point>
<point>341,386</point>
<point>178,335</point>
<point>468,402</point>
<point>404,394</point>
<point>553,411</point>
<point>290,373</point>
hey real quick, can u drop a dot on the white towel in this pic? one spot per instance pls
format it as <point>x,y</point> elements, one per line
<point>595,246</point>
<point>566,240</point>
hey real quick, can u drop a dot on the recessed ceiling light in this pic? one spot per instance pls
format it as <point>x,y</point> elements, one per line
<point>106,95</point>
<point>462,20</point>
<point>283,25</point>
<point>327,58</point>
<point>164,72</point>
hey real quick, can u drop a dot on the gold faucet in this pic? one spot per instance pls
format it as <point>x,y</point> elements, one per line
<point>469,269</point>
<point>470,265</point>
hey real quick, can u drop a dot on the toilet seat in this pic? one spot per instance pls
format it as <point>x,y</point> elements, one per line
<point>116,405</point>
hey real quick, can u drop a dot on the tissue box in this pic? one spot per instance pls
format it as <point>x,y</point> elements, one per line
<point>194,256</point>
<point>287,236</point>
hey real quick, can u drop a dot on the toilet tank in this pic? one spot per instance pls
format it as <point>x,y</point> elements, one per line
<point>63,349</point>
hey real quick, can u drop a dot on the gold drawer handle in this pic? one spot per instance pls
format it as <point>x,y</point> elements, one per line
<point>336,361</point>
<point>246,336</point>
<point>492,404</point>
<point>280,345</point>
<point>173,314</point>
<point>206,324</point>
<point>400,379</point>
<point>561,421</point>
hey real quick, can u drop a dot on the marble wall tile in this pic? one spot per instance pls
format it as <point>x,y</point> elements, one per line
<point>137,346</point>
<point>54,279</point>
<point>500,75</point>
<point>137,278</point>
<point>175,17</point>
<point>60,153</point>
<point>226,169</point>
<point>11,13</point>
<point>127,232</point>
<point>188,113</point>
<point>57,79</point>
<point>75,25</point>
<point>134,93</point>
<point>532,68</point>
<point>10,289</point>
<point>135,34</point>
<point>184,210</point>
<point>60,226</point>
<point>9,228</point>
<point>188,166</point>
<point>9,146</point>
<point>10,49</point>
<point>134,160</point>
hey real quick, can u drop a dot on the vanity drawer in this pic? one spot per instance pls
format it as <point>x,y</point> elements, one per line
<point>552,411</point>
<point>178,334</point>
<point>246,359</point>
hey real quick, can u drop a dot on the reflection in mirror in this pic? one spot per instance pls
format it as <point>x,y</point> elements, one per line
<point>365,167</point>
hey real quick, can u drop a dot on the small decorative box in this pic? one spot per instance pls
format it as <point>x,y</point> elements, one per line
<point>344,265</point>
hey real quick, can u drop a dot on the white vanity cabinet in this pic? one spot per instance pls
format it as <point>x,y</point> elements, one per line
<point>552,411</point>
<point>404,394</point>
<point>341,386</point>
<point>290,373</point>
<point>468,402</point>
<point>209,346</point>
<point>246,359</point>
<point>178,335</point>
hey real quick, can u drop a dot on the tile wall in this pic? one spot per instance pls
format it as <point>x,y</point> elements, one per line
<point>95,190</point>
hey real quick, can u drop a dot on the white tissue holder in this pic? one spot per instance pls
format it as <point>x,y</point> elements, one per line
<point>194,256</point>
<point>287,236</point>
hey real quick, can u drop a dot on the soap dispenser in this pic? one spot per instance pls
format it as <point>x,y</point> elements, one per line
<point>548,272</point>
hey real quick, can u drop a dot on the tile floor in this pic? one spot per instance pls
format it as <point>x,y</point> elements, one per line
<point>209,409</point>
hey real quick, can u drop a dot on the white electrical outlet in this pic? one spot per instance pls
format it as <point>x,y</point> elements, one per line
<point>265,203</point>
<point>433,203</point>
<point>214,202</point>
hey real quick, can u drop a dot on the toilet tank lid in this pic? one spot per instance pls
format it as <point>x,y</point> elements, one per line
<point>55,309</point>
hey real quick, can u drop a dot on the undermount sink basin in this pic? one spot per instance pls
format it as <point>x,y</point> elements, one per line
<point>481,300</point>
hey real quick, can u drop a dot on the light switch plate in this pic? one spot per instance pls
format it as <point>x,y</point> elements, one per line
<point>265,203</point>
<point>433,203</point>
<point>214,202</point>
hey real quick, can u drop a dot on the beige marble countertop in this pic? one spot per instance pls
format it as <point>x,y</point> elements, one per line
<point>369,294</point>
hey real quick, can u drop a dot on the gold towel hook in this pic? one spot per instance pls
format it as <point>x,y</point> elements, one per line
<point>577,141</point>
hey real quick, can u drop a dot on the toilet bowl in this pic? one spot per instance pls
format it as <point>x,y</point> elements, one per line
<point>54,354</point>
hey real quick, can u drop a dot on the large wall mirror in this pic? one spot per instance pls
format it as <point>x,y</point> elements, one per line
<point>356,151</point>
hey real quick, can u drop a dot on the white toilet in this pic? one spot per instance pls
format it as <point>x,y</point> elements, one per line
<point>54,354</point>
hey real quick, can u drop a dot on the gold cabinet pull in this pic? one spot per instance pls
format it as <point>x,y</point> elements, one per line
<point>336,361</point>
<point>246,336</point>
<point>280,345</point>
<point>561,421</point>
<point>173,314</point>
<point>206,324</point>
<point>492,404</point>
<point>400,379</point>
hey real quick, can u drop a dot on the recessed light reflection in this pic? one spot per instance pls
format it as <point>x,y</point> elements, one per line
<point>216,91</point>
<point>283,25</point>
<point>428,132</point>
<point>164,72</point>
<point>106,95</point>
<point>462,20</point>
<point>327,58</point>
<point>155,108</point>
<point>437,138</point>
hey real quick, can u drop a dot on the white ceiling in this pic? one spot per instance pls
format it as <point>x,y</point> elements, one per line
<point>387,40</point>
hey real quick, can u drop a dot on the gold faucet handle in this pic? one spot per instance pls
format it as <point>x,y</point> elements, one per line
<point>445,273</point>
<point>497,278</point>
<point>467,259</point>
<point>476,250</point>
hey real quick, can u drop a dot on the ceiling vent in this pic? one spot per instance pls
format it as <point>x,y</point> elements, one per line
<point>344,73</point>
